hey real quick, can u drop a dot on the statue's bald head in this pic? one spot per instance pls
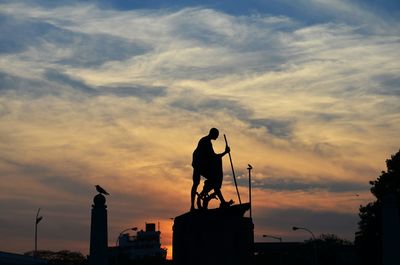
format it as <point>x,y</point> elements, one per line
<point>213,133</point>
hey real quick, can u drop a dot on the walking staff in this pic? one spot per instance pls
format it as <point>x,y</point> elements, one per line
<point>233,171</point>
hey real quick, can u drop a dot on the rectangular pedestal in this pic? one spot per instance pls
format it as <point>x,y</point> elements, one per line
<point>219,236</point>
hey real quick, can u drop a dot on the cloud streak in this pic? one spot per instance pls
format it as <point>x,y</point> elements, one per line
<point>93,95</point>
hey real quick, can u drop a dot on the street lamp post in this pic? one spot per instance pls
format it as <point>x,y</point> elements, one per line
<point>123,231</point>
<point>37,221</point>
<point>280,252</point>
<point>249,169</point>
<point>274,237</point>
<point>314,241</point>
<point>117,242</point>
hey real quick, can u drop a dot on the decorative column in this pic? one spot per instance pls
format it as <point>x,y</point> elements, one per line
<point>98,232</point>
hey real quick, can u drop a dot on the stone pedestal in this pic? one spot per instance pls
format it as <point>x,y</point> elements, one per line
<point>98,232</point>
<point>216,236</point>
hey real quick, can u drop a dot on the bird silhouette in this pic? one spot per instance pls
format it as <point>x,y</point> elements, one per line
<point>101,190</point>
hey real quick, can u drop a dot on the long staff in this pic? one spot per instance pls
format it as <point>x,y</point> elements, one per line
<point>233,171</point>
<point>249,169</point>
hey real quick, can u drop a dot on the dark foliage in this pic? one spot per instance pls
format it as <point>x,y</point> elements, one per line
<point>63,257</point>
<point>329,248</point>
<point>330,240</point>
<point>332,250</point>
<point>368,239</point>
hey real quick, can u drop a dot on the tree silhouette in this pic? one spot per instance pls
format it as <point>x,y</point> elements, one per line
<point>333,250</point>
<point>368,239</point>
<point>330,240</point>
<point>63,257</point>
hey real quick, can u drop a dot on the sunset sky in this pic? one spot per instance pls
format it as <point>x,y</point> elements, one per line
<point>118,93</point>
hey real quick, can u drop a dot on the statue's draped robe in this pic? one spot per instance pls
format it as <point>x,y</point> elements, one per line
<point>207,162</point>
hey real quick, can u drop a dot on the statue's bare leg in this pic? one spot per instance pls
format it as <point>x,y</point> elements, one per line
<point>196,182</point>
<point>203,196</point>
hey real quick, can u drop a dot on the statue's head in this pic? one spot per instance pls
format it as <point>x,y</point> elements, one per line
<point>214,133</point>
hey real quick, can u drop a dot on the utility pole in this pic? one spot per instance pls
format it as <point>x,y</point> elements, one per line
<point>37,221</point>
<point>249,169</point>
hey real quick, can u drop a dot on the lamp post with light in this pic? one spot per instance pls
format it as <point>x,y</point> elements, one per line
<point>123,231</point>
<point>37,221</point>
<point>280,241</point>
<point>314,241</point>
<point>274,237</point>
<point>117,242</point>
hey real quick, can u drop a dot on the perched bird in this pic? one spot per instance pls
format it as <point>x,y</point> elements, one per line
<point>101,190</point>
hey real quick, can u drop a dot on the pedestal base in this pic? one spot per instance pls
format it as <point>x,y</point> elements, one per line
<point>216,236</point>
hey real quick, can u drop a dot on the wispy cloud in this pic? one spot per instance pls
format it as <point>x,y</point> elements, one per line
<point>290,184</point>
<point>90,95</point>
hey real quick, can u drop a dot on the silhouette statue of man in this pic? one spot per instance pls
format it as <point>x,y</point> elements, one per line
<point>208,164</point>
